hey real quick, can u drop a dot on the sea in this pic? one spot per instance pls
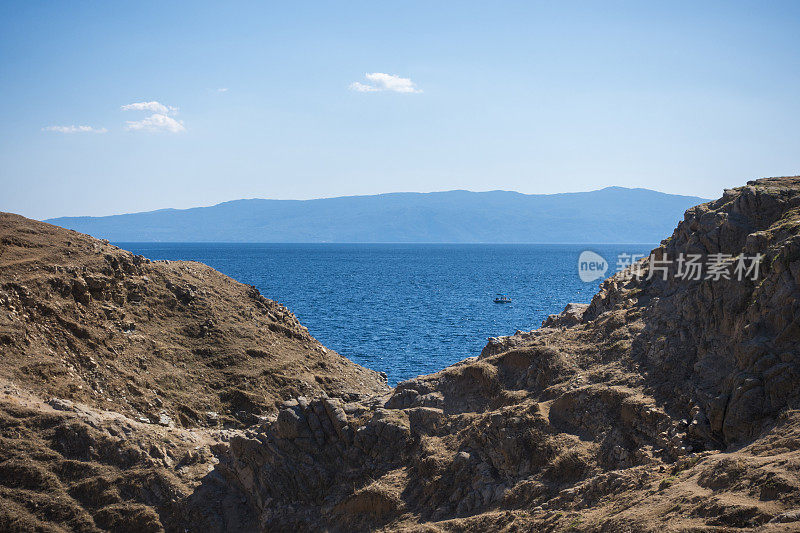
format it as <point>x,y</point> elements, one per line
<point>406,309</point>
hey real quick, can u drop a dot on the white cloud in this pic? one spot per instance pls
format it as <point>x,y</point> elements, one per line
<point>156,122</point>
<point>363,88</point>
<point>385,82</point>
<point>75,129</point>
<point>222,90</point>
<point>155,107</point>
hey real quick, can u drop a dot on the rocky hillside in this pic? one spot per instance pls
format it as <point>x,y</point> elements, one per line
<point>81,319</point>
<point>664,405</point>
<point>667,404</point>
<point>119,378</point>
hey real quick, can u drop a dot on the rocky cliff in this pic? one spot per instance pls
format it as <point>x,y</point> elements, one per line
<point>667,403</point>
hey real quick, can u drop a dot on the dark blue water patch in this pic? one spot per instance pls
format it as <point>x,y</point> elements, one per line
<point>405,309</point>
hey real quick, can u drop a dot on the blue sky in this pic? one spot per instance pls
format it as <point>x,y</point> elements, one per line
<point>242,100</point>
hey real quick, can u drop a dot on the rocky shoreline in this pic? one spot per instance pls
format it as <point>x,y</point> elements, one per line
<point>142,396</point>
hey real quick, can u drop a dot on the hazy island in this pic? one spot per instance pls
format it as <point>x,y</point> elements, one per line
<point>613,214</point>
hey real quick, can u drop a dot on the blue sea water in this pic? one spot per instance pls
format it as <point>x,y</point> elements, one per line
<point>405,309</point>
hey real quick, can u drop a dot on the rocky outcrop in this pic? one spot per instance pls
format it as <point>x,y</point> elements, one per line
<point>570,316</point>
<point>66,466</point>
<point>724,350</point>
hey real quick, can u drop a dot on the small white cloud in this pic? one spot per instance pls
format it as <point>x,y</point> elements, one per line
<point>156,122</point>
<point>155,107</point>
<point>363,88</point>
<point>385,82</point>
<point>222,90</point>
<point>75,129</point>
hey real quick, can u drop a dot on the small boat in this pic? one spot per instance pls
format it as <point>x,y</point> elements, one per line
<point>502,299</point>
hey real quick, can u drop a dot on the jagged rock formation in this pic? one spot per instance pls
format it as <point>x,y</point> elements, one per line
<point>664,404</point>
<point>65,466</point>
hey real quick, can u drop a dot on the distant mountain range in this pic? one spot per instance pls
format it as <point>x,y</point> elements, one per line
<point>610,215</point>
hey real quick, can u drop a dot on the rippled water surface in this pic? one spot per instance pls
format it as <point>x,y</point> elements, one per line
<point>405,309</point>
